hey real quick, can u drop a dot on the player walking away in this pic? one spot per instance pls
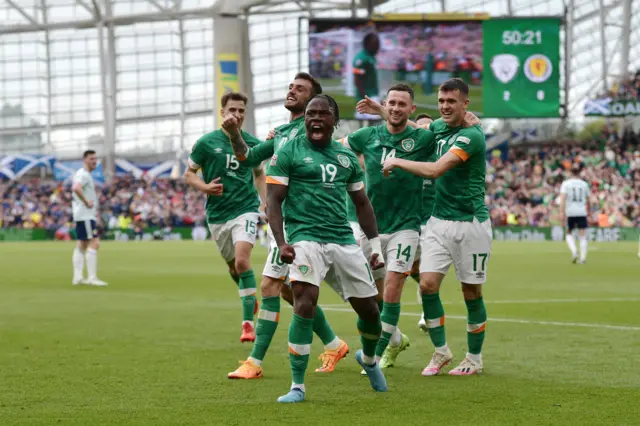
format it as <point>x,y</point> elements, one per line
<point>365,73</point>
<point>311,175</point>
<point>301,90</point>
<point>574,206</point>
<point>84,204</point>
<point>459,230</point>
<point>399,216</point>
<point>232,203</point>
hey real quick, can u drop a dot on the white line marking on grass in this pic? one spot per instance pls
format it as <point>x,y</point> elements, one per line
<point>531,301</point>
<point>514,321</point>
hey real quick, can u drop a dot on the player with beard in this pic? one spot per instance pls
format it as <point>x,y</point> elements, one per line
<point>301,90</point>
<point>399,217</point>
<point>307,185</point>
<point>459,230</point>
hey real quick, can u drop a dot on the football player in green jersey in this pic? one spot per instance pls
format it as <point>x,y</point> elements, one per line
<point>399,216</point>
<point>232,204</point>
<point>307,186</point>
<point>365,72</point>
<point>301,90</point>
<point>459,231</point>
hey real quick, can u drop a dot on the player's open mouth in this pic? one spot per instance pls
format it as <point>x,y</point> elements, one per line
<point>317,131</point>
<point>291,98</point>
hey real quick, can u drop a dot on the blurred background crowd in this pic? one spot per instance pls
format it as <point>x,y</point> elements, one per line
<point>522,189</point>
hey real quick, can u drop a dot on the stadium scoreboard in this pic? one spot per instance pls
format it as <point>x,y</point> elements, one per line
<point>522,67</point>
<point>512,65</point>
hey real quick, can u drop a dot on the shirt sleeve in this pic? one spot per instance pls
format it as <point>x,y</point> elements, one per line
<point>427,143</point>
<point>467,144</point>
<point>258,153</point>
<point>357,140</point>
<point>198,155</point>
<point>80,178</point>
<point>279,167</point>
<point>356,180</point>
<point>563,187</point>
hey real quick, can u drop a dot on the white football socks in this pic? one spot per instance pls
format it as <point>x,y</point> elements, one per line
<point>396,337</point>
<point>571,242</point>
<point>78,263</point>
<point>583,248</point>
<point>92,264</point>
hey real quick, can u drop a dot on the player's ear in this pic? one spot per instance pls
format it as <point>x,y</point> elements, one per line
<point>466,103</point>
<point>413,108</point>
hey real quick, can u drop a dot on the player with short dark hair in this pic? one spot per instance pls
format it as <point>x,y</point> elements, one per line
<point>574,208</point>
<point>365,72</point>
<point>275,273</point>
<point>399,217</point>
<point>84,204</point>
<point>307,185</point>
<point>459,230</point>
<point>232,202</point>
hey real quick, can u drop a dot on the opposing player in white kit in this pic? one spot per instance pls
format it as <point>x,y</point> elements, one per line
<point>85,208</point>
<point>574,208</point>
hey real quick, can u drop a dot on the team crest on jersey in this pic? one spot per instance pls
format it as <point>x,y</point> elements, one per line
<point>408,144</point>
<point>274,160</point>
<point>505,67</point>
<point>304,269</point>
<point>344,161</point>
<point>538,68</point>
<point>293,133</point>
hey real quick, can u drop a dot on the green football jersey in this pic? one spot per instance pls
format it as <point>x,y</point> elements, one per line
<point>214,155</point>
<point>318,181</point>
<point>266,149</point>
<point>460,192</point>
<point>365,66</point>
<point>396,199</point>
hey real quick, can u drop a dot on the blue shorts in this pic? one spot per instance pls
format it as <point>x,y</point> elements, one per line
<point>86,230</point>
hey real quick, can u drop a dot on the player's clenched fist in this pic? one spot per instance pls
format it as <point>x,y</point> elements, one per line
<point>388,165</point>
<point>214,188</point>
<point>271,134</point>
<point>287,253</point>
<point>230,124</point>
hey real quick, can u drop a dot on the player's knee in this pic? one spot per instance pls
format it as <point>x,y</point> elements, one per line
<point>371,312</point>
<point>393,286</point>
<point>94,244</point>
<point>242,264</point>
<point>471,291</point>
<point>429,285</point>
<point>270,287</point>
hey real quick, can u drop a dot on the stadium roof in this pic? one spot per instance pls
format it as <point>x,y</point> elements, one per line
<point>51,77</point>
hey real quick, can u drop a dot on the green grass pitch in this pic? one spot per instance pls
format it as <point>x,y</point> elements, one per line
<point>425,103</point>
<point>156,345</point>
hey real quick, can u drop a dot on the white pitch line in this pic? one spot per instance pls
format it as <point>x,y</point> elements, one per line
<point>514,321</point>
<point>530,301</point>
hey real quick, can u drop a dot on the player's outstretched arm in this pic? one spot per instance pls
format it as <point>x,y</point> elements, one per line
<point>276,194</point>
<point>427,170</point>
<point>369,225</point>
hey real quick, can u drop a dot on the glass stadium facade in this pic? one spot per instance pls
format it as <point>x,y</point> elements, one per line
<point>135,77</point>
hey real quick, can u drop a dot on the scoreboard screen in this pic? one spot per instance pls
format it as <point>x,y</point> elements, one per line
<point>512,65</point>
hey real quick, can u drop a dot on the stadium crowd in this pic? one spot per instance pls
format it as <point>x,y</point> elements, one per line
<point>523,190</point>
<point>625,89</point>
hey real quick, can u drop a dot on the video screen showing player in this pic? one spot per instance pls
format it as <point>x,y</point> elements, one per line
<point>357,58</point>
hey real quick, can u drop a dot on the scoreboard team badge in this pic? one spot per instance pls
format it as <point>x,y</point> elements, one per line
<point>538,68</point>
<point>505,67</point>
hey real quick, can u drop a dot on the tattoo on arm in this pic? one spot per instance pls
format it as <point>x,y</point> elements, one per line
<point>364,210</point>
<point>240,147</point>
<point>275,196</point>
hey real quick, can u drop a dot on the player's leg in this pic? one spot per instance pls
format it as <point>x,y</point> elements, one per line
<point>571,240</point>
<point>434,263</point>
<point>471,262</point>
<point>415,274</point>
<point>243,235</point>
<point>306,273</point>
<point>400,252</point>
<point>92,255</point>
<point>79,253</point>
<point>351,277</point>
<point>584,243</point>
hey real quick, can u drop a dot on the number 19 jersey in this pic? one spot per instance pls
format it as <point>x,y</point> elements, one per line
<point>318,180</point>
<point>213,154</point>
